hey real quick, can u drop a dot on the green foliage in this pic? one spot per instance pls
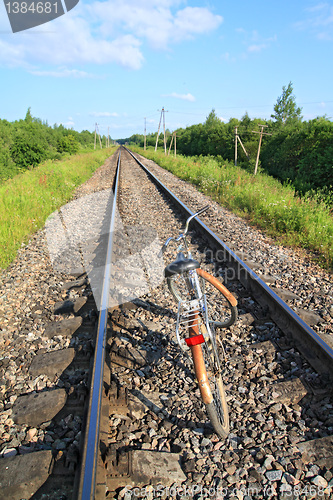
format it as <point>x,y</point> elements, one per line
<point>24,144</point>
<point>28,117</point>
<point>216,138</point>
<point>30,197</point>
<point>298,153</point>
<point>286,110</point>
<point>212,120</point>
<point>305,222</point>
<point>302,154</point>
<point>7,165</point>
<point>68,144</point>
<point>29,146</point>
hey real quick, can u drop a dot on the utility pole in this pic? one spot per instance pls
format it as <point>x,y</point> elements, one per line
<point>237,138</point>
<point>261,134</point>
<point>171,143</point>
<point>144,145</point>
<point>159,126</point>
<point>164,131</point>
<point>97,131</point>
<point>174,136</point>
<point>158,132</point>
<point>108,138</point>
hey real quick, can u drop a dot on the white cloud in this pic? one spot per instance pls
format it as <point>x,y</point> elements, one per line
<point>195,20</point>
<point>228,58</point>
<point>154,21</point>
<point>319,21</point>
<point>63,73</point>
<point>185,97</point>
<point>318,7</point>
<point>257,47</point>
<point>105,32</point>
<point>68,124</point>
<point>103,114</point>
<point>254,42</point>
<point>72,42</point>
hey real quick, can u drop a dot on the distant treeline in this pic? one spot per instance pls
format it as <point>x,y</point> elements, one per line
<point>299,152</point>
<point>24,144</point>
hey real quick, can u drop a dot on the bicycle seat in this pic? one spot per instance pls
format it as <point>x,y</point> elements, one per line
<point>180,265</point>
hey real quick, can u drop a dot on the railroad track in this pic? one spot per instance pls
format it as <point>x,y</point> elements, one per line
<point>153,430</point>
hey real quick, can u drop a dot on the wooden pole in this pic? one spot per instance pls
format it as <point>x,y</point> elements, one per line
<point>99,136</point>
<point>158,132</point>
<point>95,136</point>
<point>175,145</point>
<point>258,153</point>
<point>236,138</point>
<point>247,155</point>
<point>171,143</point>
<point>164,132</point>
<point>144,144</point>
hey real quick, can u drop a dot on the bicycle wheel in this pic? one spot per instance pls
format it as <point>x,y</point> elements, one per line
<point>217,410</point>
<point>180,287</point>
<point>211,387</point>
<point>221,304</point>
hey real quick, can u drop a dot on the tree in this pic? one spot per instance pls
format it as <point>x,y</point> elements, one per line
<point>68,144</point>
<point>286,110</point>
<point>28,116</point>
<point>246,121</point>
<point>212,119</point>
<point>29,146</point>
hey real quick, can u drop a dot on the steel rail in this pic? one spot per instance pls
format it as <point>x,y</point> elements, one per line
<point>315,349</point>
<point>91,452</point>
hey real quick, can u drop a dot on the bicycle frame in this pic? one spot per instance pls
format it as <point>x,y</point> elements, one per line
<point>192,309</point>
<point>195,330</point>
<point>193,281</point>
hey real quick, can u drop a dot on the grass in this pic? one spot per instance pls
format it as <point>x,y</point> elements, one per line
<point>298,222</point>
<point>29,198</point>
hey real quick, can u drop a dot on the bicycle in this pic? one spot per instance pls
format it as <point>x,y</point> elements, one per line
<point>204,304</point>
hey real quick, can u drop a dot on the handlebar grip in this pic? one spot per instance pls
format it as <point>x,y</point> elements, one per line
<point>194,216</point>
<point>203,209</point>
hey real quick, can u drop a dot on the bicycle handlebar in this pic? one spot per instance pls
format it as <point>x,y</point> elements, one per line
<point>182,236</point>
<point>193,217</point>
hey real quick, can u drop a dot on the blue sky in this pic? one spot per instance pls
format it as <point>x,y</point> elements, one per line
<point>116,62</point>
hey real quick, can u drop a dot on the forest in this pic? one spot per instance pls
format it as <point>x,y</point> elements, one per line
<point>296,152</point>
<point>26,143</point>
